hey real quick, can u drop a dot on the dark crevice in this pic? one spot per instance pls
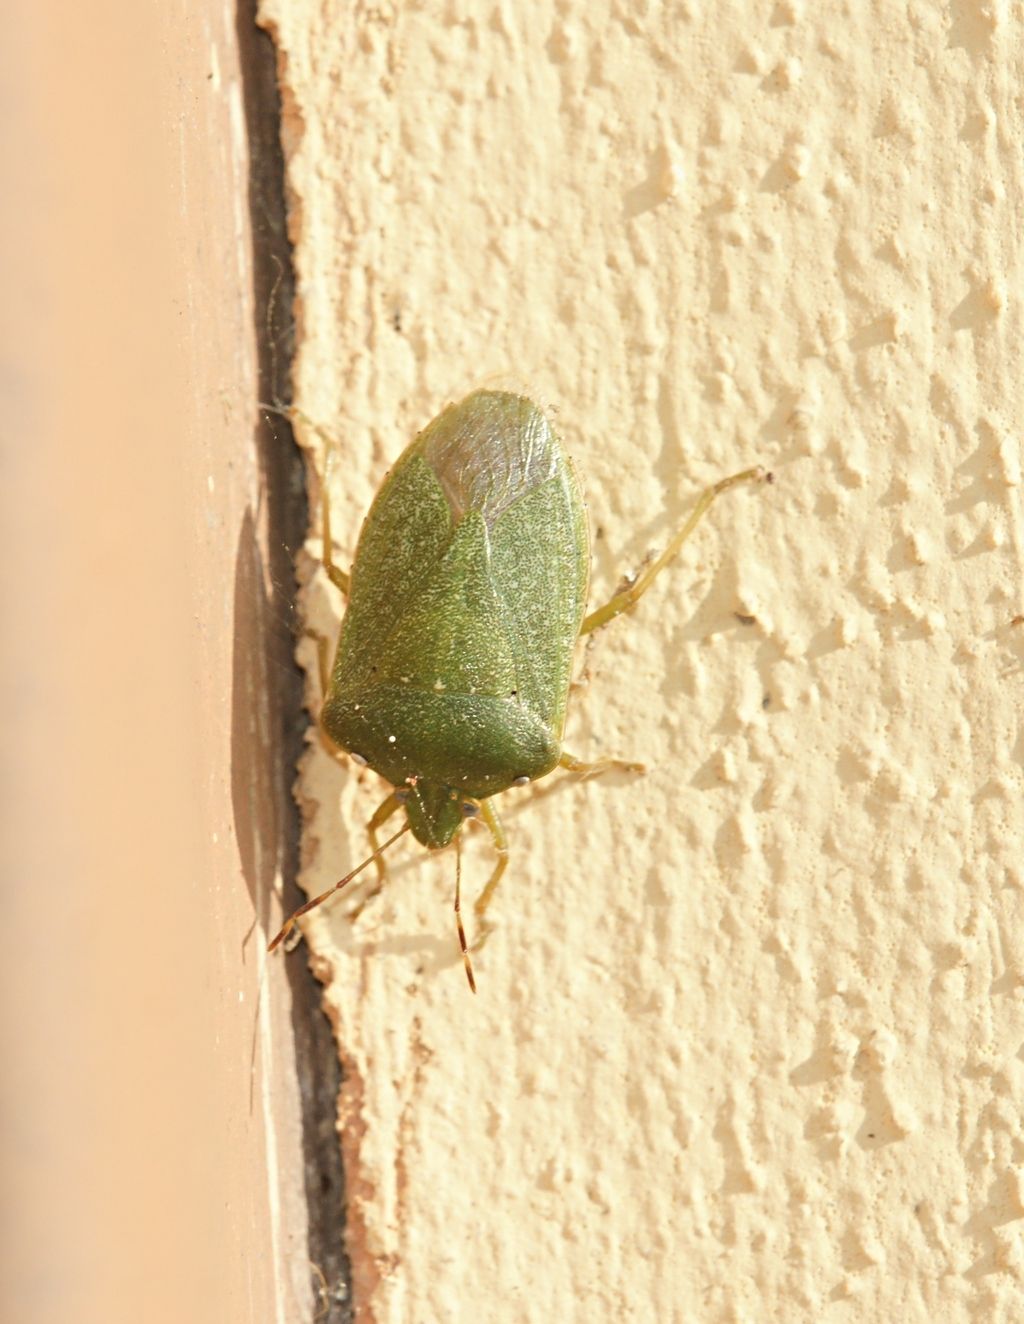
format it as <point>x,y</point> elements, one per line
<point>283,489</point>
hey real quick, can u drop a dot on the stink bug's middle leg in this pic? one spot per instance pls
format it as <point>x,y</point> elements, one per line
<point>600,765</point>
<point>630,596</point>
<point>380,817</point>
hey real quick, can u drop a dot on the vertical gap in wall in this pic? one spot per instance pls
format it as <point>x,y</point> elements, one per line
<point>284,491</point>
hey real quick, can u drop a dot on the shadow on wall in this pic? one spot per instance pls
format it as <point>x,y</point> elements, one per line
<point>267,719</point>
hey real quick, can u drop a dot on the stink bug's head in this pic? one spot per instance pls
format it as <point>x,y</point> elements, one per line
<point>436,812</point>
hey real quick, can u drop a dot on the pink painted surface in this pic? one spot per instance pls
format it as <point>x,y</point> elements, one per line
<point>149,1143</point>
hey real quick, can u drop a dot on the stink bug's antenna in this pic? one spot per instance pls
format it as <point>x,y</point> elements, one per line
<point>458,915</point>
<point>289,923</point>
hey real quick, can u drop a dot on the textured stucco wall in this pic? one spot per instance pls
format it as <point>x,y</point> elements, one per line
<point>750,1032</point>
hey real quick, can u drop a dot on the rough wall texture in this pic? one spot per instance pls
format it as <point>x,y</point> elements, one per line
<point>750,1033</point>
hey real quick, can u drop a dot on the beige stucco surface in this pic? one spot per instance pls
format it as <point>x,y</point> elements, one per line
<point>749,1037</point>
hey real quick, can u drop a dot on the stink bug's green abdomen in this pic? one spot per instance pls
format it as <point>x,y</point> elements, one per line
<point>467,594</point>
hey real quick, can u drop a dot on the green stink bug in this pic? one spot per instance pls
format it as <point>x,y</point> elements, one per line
<point>466,598</point>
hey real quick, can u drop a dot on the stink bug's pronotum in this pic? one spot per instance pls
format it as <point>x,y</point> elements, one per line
<point>465,602</point>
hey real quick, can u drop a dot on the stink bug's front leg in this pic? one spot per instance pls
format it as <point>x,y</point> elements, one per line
<point>501,848</point>
<point>380,817</point>
<point>629,597</point>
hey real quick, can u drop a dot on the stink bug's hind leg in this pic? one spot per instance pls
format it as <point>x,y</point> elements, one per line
<point>335,574</point>
<point>293,414</point>
<point>486,928</point>
<point>323,659</point>
<point>600,765</point>
<point>629,597</point>
<point>380,817</point>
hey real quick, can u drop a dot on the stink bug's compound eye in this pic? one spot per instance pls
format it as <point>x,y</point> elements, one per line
<point>469,809</point>
<point>402,797</point>
<point>520,781</point>
<point>358,758</point>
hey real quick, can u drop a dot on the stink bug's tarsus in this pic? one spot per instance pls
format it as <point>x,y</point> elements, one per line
<point>466,597</point>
